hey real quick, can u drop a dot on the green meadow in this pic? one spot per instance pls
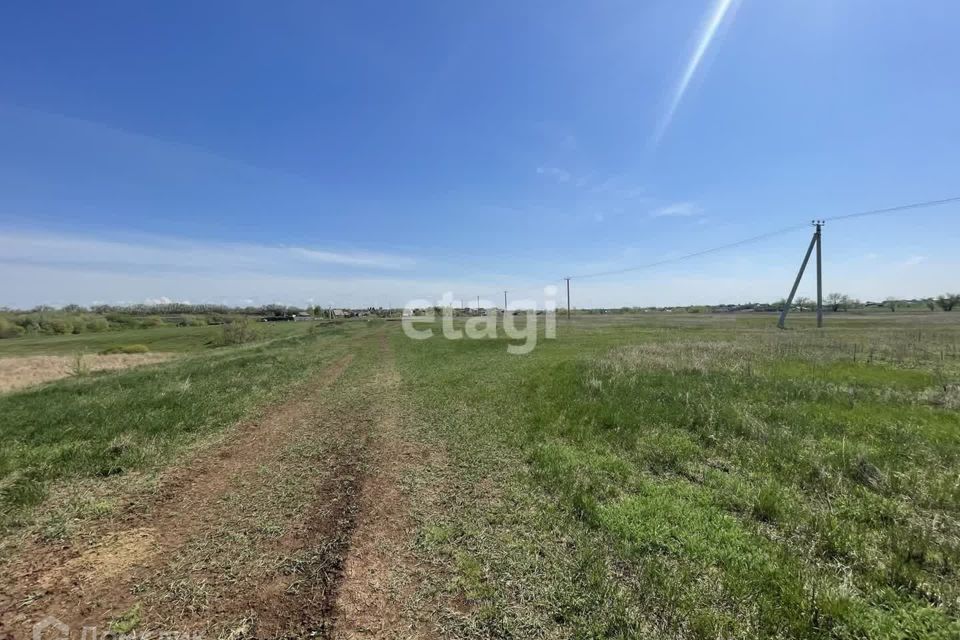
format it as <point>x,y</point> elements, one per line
<point>163,338</point>
<point>706,477</point>
<point>110,424</point>
<point>654,476</point>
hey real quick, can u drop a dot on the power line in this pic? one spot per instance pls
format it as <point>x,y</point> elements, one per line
<point>902,207</point>
<point>859,214</point>
<point>764,236</point>
<point>695,254</point>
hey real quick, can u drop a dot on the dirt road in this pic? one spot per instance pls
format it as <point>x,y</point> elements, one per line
<point>297,525</point>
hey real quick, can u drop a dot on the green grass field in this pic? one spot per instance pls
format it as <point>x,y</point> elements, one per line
<point>113,423</point>
<point>715,477</point>
<point>171,339</point>
<point>662,476</point>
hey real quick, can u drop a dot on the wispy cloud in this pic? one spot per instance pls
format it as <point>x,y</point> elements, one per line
<point>555,173</point>
<point>372,260</point>
<point>677,210</point>
<point>619,187</point>
<point>172,254</point>
<point>912,261</point>
<point>715,18</point>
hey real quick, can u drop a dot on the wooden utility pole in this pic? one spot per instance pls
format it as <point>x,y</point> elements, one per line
<point>504,301</point>
<point>568,297</point>
<point>814,242</point>
<point>478,305</point>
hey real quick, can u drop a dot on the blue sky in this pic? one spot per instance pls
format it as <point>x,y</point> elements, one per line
<point>371,152</point>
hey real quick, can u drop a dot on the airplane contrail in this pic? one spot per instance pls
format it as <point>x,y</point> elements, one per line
<point>716,17</point>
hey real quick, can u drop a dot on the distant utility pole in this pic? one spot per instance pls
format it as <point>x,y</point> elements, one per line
<point>814,242</point>
<point>568,297</point>
<point>504,301</point>
<point>478,305</point>
<point>819,232</point>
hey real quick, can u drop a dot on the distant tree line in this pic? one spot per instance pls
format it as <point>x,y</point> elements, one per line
<point>834,302</point>
<point>75,319</point>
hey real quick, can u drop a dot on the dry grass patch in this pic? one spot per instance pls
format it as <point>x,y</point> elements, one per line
<point>27,371</point>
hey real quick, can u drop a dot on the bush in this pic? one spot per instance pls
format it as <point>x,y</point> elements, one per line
<point>9,329</point>
<point>29,325</point>
<point>239,332</point>
<point>97,325</point>
<point>60,327</point>
<point>125,348</point>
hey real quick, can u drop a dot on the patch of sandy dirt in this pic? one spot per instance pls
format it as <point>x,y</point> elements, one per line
<point>107,560</point>
<point>27,371</point>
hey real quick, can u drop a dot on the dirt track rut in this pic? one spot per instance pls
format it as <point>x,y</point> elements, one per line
<point>297,525</point>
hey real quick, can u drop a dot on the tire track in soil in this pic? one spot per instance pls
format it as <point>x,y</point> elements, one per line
<point>375,596</point>
<point>91,583</point>
<point>348,570</point>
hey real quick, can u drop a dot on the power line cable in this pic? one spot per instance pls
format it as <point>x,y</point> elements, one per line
<point>764,236</point>
<point>902,207</point>
<point>695,254</point>
<point>739,243</point>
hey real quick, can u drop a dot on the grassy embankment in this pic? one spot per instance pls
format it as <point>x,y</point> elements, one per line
<point>698,477</point>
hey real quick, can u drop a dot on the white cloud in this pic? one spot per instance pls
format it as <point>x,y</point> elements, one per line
<point>555,173</point>
<point>913,261</point>
<point>678,210</point>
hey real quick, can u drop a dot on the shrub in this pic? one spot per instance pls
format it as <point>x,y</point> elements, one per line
<point>29,325</point>
<point>60,327</point>
<point>239,332</point>
<point>125,348</point>
<point>9,329</point>
<point>97,325</point>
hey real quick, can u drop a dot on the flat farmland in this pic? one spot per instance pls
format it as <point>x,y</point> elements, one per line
<point>656,476</point>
